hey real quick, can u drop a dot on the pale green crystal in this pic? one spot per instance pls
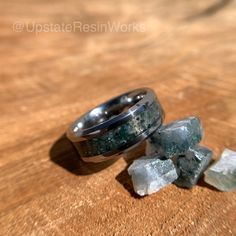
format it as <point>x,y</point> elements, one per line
<point>191,166</point>
<point>177,137</point>
<point>222,174</point>
<point>150,174</point>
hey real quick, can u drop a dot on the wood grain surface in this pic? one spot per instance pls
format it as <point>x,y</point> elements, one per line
<point>186,53</point>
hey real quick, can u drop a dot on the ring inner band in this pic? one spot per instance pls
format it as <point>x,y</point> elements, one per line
<point>109,110</point>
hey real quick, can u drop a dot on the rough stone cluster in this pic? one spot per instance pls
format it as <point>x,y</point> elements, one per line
<point>172,156</point>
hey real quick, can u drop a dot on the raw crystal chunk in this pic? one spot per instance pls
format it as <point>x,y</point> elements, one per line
<point>222,174</point>
<point>177,137</point>
<point>191,166</point>
<point>150,174</point>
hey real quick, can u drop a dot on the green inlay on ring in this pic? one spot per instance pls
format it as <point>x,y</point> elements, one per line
<point>121,135</point>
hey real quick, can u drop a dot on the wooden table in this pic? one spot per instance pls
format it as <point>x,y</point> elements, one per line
<point>184,50</point>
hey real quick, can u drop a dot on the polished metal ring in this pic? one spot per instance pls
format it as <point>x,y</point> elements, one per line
<point>117,125</point>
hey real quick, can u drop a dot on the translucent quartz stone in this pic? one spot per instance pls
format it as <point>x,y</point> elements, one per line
<point>222,174</point>
<point>150,174</point>
<point>191,166</point>
<point>177,137</point>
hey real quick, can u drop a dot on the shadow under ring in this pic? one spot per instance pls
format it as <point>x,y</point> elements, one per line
<point>117,125</point>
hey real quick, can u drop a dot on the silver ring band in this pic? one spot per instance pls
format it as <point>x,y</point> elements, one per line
<point>116,125</point>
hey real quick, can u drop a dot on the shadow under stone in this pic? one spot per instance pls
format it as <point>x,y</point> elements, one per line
<point>123,177</point>
<point>203,184</point>
<point>125,180</point>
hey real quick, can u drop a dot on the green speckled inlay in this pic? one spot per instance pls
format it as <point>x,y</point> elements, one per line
<point>122,134</point>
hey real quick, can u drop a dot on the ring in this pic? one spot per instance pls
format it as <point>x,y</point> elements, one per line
<point>117,125</point>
